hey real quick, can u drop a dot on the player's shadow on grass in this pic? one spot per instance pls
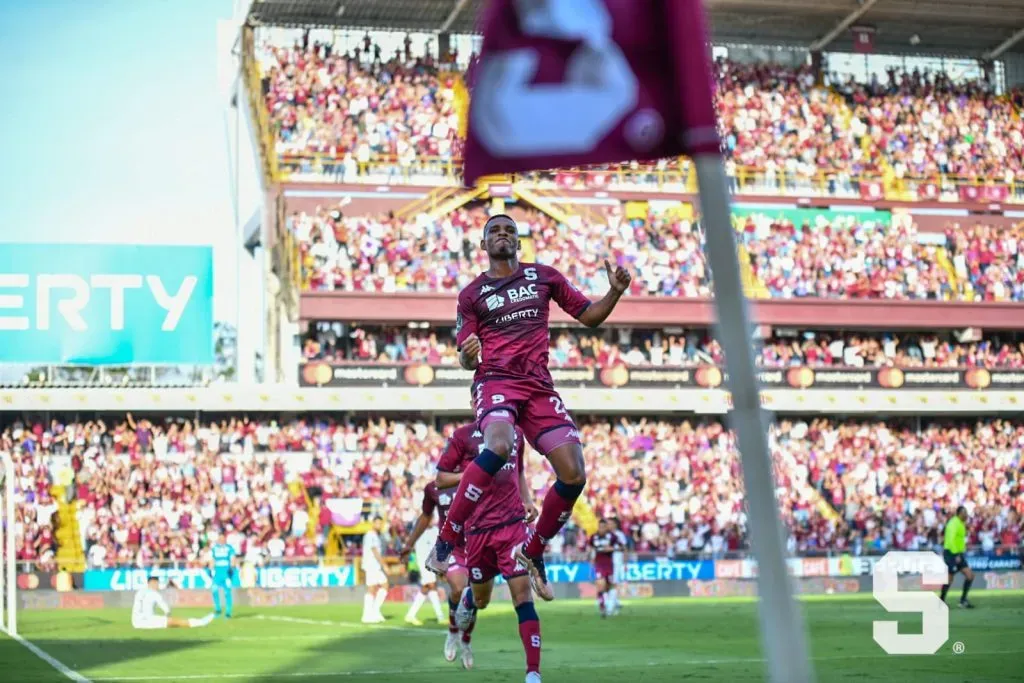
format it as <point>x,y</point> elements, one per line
<point>85,656</point>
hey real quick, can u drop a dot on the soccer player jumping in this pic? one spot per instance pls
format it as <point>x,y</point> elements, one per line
<point>502,334</point>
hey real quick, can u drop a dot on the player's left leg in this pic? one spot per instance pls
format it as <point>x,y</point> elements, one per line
<point>458,581</point>
<point>529,624</point>
<point>378,603</point>
<point>216,598</point>
<point>968,580</point>
<point>550,429</point>
<point>173,622</point>
<point>417,602</point>
<point>611,596</point>
<point>602,593</point>
<point>229,599</point>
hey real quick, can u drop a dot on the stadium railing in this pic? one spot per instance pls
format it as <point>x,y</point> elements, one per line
<point>679,176</point>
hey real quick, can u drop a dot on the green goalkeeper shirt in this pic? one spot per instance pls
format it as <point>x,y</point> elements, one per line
<point>956,536</point>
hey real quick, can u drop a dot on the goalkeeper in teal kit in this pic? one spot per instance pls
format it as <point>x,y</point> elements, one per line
<point>222,562</point>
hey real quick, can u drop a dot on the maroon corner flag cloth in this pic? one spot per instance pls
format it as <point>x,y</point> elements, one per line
<point>578,82</point>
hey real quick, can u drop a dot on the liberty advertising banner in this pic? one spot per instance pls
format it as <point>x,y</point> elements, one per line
<point>99,304</point>
<point>640,570</point>
<point>193,579</point>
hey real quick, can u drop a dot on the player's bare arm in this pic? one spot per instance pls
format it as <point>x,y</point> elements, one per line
<point>421,526</point>
<point>469,353</point>
<point>445,480</point>
<point>619,280</point>
<point>527,497</point>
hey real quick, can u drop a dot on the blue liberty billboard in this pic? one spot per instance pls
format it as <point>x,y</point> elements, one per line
<point>98,304</point>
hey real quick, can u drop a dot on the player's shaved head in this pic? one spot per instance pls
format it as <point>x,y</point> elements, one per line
<point>498,218</point>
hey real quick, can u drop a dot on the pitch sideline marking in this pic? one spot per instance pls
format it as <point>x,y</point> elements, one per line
<point>66,671</point>
<point>397,672</point>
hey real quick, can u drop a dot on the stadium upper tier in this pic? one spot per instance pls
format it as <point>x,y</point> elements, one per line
<point>156,490</point>
<point>847,258</point>
<point>915,134</point>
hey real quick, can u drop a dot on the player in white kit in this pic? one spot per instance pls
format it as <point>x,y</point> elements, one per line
<point>428,580</point>
<point>148,602</point>
<point>373,570</point>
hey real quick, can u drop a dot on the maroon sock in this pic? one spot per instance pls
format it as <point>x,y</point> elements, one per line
<point>463,504</point>
<point>600,601</point>
<point>554,513</point>
<point>529,633</point>
<point>468,633</point>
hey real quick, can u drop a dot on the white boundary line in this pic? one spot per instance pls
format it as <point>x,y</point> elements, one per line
<point>441,668</point>
<point>55,663</point>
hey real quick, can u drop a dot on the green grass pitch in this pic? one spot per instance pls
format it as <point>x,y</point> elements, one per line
<point>653,641</point>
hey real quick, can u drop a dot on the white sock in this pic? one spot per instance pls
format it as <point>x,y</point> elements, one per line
<point>368,606</point>
<point>435,601</point>
<point>382,595</point>
<point>612,598</point>
<point>417,602</point>
<point>203,621</point>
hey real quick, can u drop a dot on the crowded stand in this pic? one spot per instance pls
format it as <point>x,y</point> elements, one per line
<point>335,112</point>
<point>156,490</point>
<point>639,347</point>
<point>842,258</point>
<point>386,254</point>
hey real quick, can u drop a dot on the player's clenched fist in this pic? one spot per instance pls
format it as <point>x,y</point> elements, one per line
<point>619,278</point>
<point>471,349</point>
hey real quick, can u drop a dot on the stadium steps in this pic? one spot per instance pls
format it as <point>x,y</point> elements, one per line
<point>460,198</point>
<point>541,201</point>
<point>584,516</point>
<point>942,256</point>
<point>427,202</point>
<point>826,509</point>
<point>266,137</point>
<point>70,554</point>
<point>753,287</point>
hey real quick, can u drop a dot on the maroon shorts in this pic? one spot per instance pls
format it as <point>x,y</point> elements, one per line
<point>458,561</point>
<point>490,553</point>
<point>534,406</point>
<point>606,571</point>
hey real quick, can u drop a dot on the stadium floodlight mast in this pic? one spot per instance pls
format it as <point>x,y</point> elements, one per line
<point>8,585</point>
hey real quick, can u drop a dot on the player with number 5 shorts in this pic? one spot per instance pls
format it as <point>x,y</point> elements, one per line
<point>494,534</point>
<point>421,540</point>
<point>502,334</point>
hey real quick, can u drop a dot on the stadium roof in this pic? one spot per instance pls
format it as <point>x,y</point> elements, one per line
<point>944,27</point>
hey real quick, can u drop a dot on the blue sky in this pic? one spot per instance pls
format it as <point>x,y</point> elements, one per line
<point>113,127</point>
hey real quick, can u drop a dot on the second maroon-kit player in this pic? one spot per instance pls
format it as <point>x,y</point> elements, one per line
<point>502,334</point>
<point>494,532</point>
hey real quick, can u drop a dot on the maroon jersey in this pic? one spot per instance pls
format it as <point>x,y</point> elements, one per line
<point>510,315</point>
<point>604,545</point>
<point>439,499</point>
<point>502,502</point>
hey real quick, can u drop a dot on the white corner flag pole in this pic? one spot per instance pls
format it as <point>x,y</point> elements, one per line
<point>783,635</point>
